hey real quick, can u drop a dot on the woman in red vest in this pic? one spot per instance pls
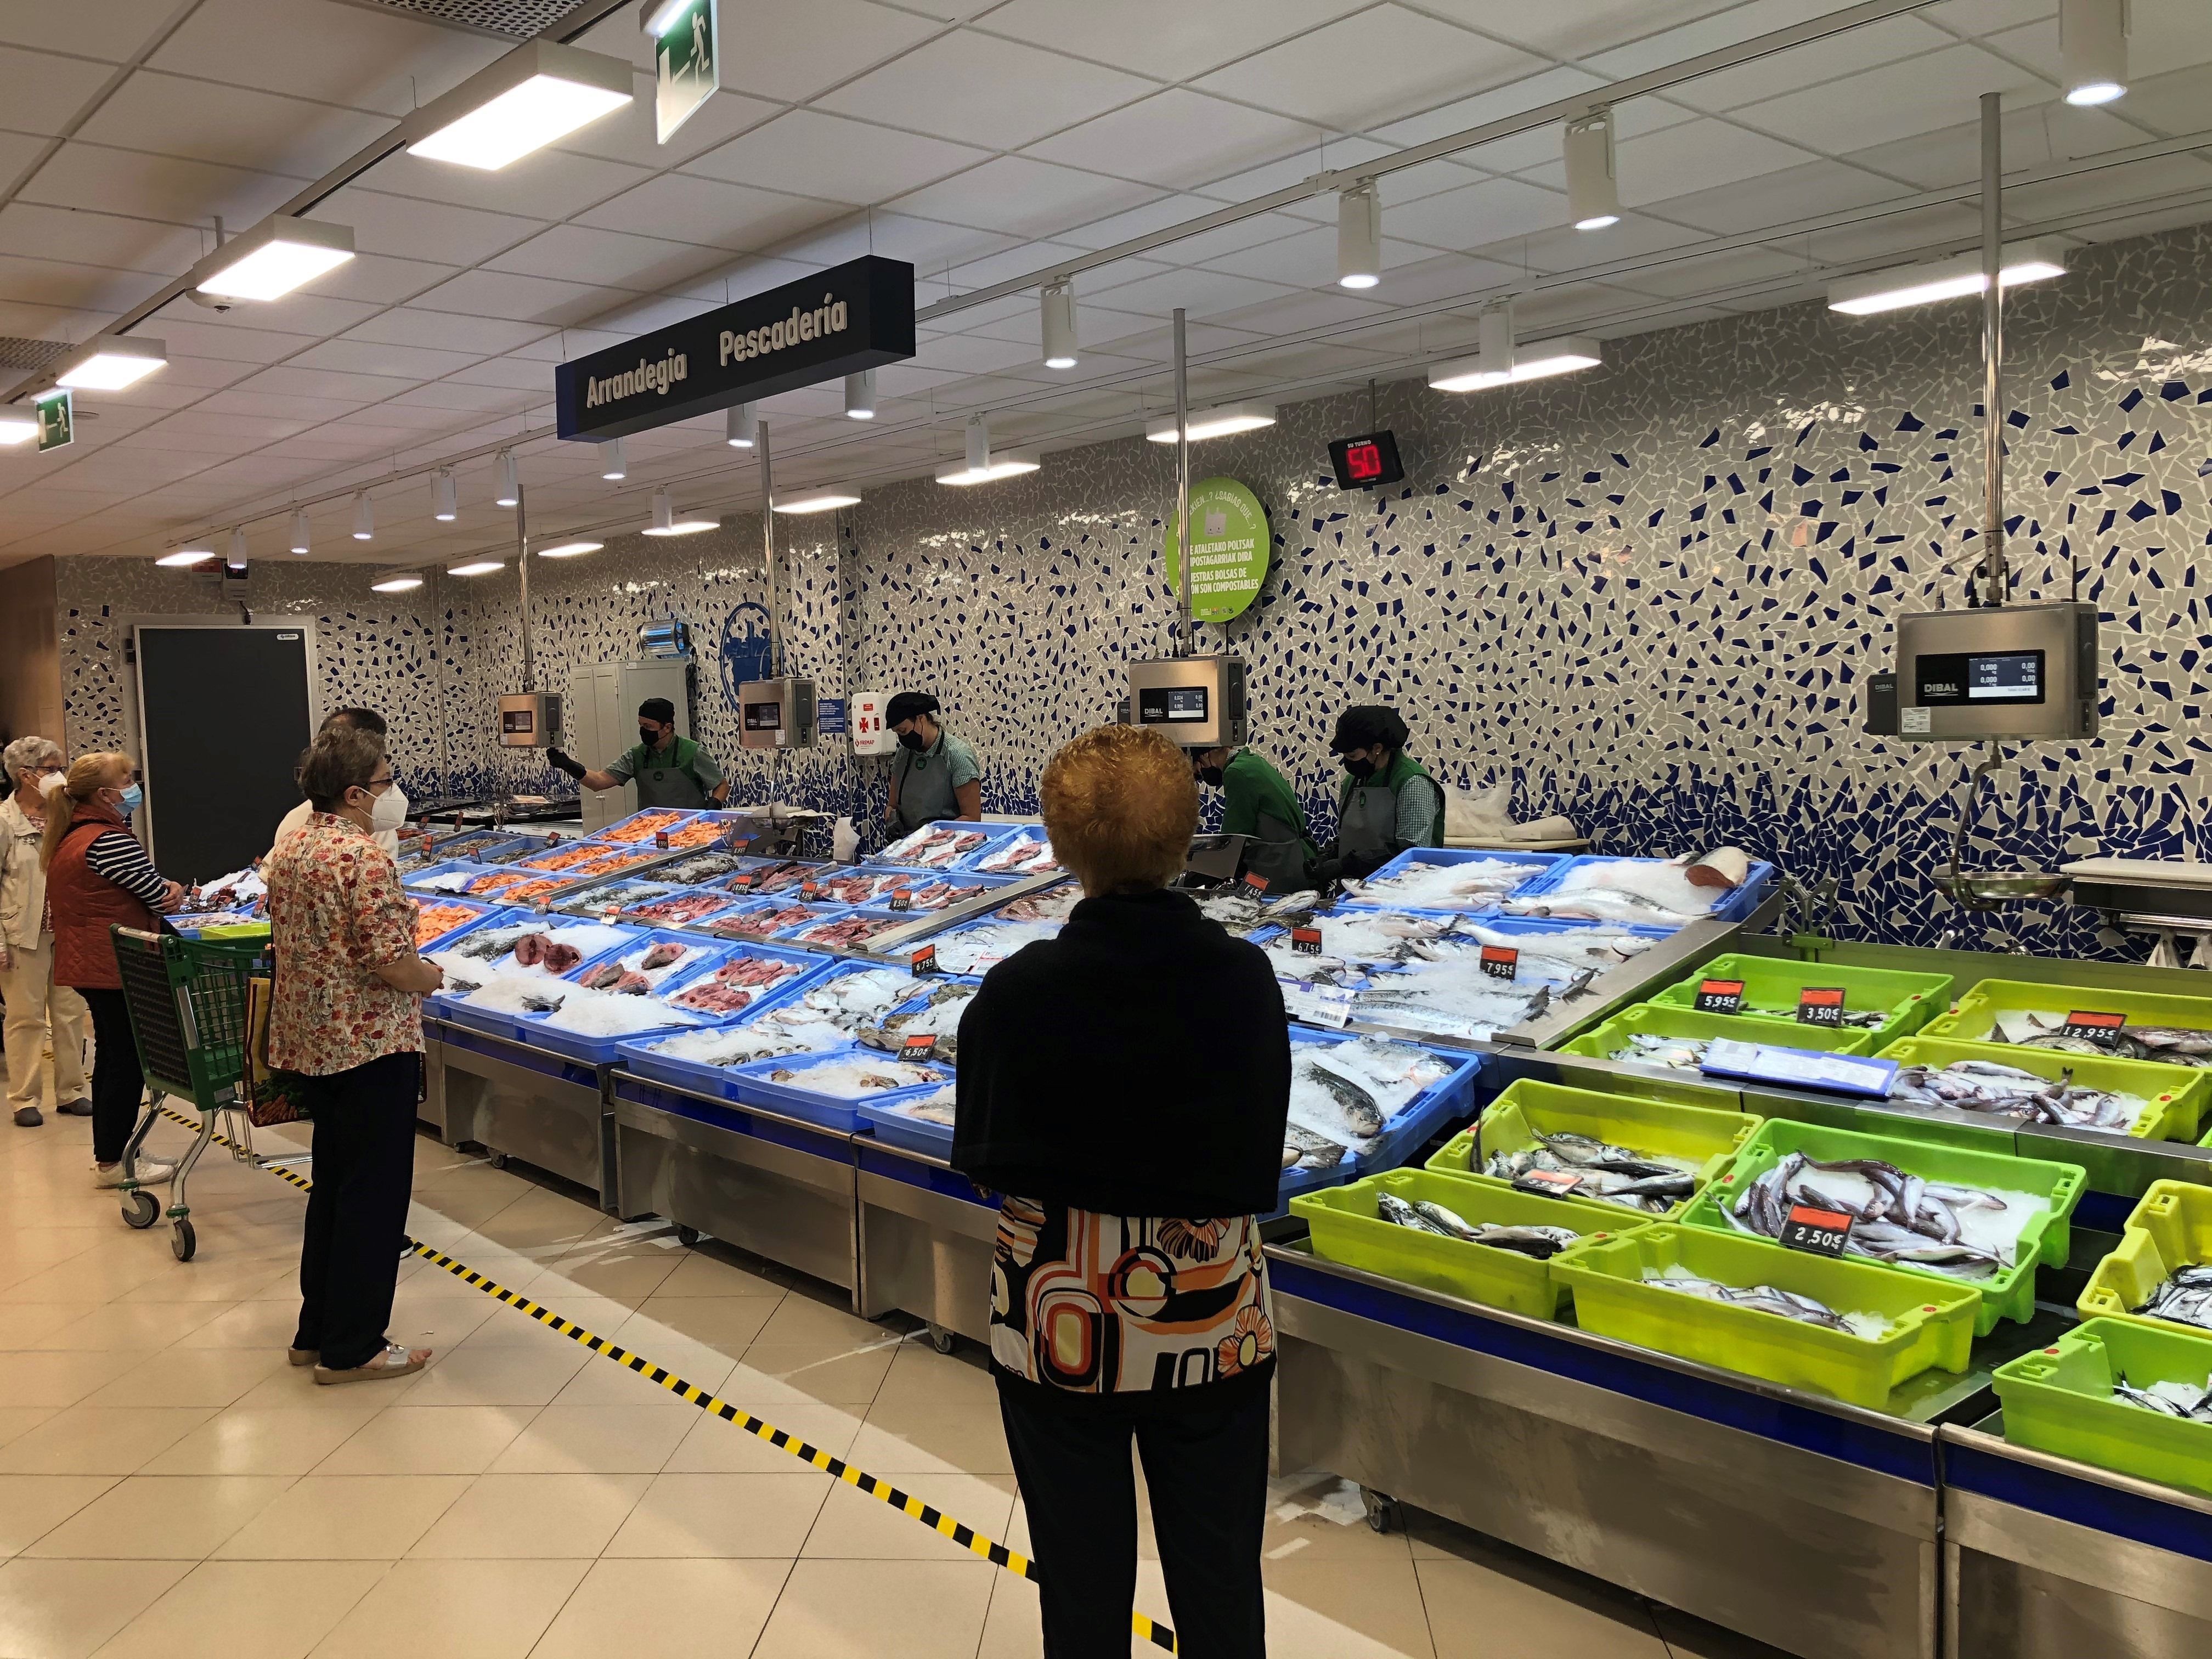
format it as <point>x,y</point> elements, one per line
<point>97,875</point>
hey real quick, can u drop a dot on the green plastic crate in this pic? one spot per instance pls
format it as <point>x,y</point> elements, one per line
<point>2009,1294</point>
<point>1346,1228</point>
<point>1932,1327</point>
<point>1974,1013</point>
<point>2179,1095</point>
<point>2059,1399</point>
<point>1665,1020</point>
<point>1525,1108</point>
<point>2171,1228</point>
<point>1771,986</point>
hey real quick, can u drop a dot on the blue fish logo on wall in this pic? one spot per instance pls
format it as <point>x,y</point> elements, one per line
<point>744,648</point>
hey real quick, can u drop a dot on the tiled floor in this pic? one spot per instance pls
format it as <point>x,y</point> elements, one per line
<point>168,1485</point>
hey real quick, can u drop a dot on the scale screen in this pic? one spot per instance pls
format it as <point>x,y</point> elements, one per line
<point>517,722</point>
<point>1167,705</point>
<point>1955,679</point>
<point>764,717</point>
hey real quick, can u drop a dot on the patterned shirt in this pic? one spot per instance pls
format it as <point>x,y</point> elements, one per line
<point>337,913</point>
<point>1126,1305</point>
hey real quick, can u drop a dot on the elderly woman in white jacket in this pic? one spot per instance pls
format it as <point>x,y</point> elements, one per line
<point>27,949</point>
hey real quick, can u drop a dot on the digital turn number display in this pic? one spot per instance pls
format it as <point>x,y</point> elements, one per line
<point>1365,462</point>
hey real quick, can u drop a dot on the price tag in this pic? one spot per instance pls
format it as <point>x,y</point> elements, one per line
<point>610,909</point>
<point>924,961</point>
<point>1720,996</point>
<point>746,882</point>
<point>810,889</point>
<point>983,961</point>
<point>1820,1005</point>
<point>1256,882</point>
<point>923,1047</point>
<point>1500,961</point>
<point>1306,941</point>
<point>1820,1232</point>
<point>2102,1029</point>
<point>902,897</point>
<point>553,839</point>
<point>1559,1181</point>
<point>660,839</point>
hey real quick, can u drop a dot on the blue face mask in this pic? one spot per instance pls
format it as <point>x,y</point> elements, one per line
<point>133,798</point>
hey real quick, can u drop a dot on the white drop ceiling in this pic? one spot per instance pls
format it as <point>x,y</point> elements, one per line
<point>982,140</point>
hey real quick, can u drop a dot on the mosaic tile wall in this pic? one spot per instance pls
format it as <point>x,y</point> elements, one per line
<point>1646,597</point>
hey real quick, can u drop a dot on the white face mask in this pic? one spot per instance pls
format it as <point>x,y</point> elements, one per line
<point>52,783</point>
<point>391,810</point>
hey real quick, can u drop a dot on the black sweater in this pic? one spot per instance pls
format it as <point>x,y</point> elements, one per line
<point>1138,1064</point>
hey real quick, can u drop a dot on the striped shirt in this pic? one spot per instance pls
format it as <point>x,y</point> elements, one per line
<point>116,856</point>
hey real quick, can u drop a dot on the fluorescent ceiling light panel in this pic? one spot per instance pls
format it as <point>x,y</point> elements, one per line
<point>1945,279</point>
<point>1530,362</point>
<point>111,362</point>
<point>536,94</point>
<point>569,549</point>
<point>656,17</point>
<point>475,567</point>
<point>17,426</point>
<point>274,258</point>
<point>396,585</point>
<point>184,556</point>
<point>1218,422</point>
<point>818,500</point>
<point>1002,463</point>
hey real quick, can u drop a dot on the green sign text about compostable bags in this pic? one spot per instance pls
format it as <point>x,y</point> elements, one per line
<point>1230,545</point>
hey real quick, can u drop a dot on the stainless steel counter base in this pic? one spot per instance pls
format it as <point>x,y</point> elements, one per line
<point>2046,1559</point>
<point>774,1185</point>
<point>925,1240</point>
<point>521,1102</point>
<point>1671,1480</point>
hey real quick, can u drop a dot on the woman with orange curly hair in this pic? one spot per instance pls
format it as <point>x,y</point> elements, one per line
<point>1128,1293</point>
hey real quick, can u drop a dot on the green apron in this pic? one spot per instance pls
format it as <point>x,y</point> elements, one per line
<point>1367,813</point>
<point>925,786</point>
<point>1277,851</point>
<point>665,778</point>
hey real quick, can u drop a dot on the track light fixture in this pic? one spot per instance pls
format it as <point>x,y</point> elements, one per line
<point>510,480</point>
<point>364,517</point>
<point>666,523</point>
<point>1360,236</point>
<point>1056,315</point>
<point>613,466</point>
<point>237,559</point>
<point>1593,190</point>
<point>742,419</point>
<point>300,542</point>
<point>2093,44</point>
<point>860,395</point>
<point>445,506</point>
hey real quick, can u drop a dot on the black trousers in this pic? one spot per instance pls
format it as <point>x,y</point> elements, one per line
<point>118,1085</point>
<point>357,1210</point>
<point>1207,1470</point>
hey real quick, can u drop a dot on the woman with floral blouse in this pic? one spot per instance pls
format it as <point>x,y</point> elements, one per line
<point>346,1013</point>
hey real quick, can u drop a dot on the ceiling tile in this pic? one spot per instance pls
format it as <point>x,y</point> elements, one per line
<point>413,229</point>
<point>1816,63</point>
<point>446,396</point>
<point>515,373</point>
<point>100,238</point>
<point>45,92</point>
<point>363,357</point>
<point>631,133</point>
<point>59,283</point>
<point>169,115</point>
<point>1178,138</point>
<point>443,332</point>
<point>1382,65</point>
<point>1168,40</point>
<point>1023,197</point>
<point>791,53</point>
<point>381,279</point>
<point>1898,102</point>
<point>365,56</point>
<point>1799,193</point>
<point>840,160</point>
<point>1713,28</point>
<point>706,212</point>
<point>1697,155</point>
<point>236,343</point>
<point>1030,93</point>
<point>156,187</point>
<point>550,184</point>
<point>1201,293</point>
<point>114,31</point>
<point>1477,215</point>
<point>526,298</point>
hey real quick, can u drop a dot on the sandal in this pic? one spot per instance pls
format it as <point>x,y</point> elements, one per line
<point>303,1355</point>
<point>394,1361</point>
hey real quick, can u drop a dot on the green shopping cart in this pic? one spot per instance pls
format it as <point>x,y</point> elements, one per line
<point>188,1004</point>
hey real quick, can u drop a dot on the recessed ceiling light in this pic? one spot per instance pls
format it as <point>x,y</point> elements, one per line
<point>1360,236</point>
<point>2033,261</point>
<point>396,585</point>
<point>569,549</point>
<point>1220,421</point>
<point>475,567</point>
<point>274,258</point>
<point>1593,190</point>
<point>18,426</point>
<point>1056,320</point>
<point>2092,44</point>
<point>539,93</point>
<point>111,362</point>
<point>1530,362</point>
<point>666,523</point>
<point>817,501</point>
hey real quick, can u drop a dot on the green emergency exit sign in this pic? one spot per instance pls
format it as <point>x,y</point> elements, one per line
<point>57,421</point>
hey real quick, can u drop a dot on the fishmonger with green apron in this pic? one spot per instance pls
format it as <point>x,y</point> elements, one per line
<point>1257,801</point>
<point>935,775</point>
<point>669,771</point>
<point>1386,803</point>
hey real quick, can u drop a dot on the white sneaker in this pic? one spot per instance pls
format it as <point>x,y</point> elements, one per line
<point>149,1172</point>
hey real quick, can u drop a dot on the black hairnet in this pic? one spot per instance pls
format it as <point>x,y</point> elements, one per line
<point>907,705</point>
<point>1369,725</point>
<point>658,709</point>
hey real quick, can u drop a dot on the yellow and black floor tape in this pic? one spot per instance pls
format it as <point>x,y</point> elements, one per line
<point>968,1538</point>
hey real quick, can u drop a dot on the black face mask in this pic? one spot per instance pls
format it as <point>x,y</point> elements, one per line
<point>1210,775</point>
<point>913,740</point>
<point>648,736</point>
<point>1361,769</point>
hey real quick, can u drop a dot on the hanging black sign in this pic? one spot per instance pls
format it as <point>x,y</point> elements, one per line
<point>841,321</point>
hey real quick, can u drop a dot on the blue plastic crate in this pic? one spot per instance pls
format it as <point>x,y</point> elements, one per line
<point>789,887</point>
<point>520,1027</point>
<point>883,882</point>
<point>749,1084</point>
<point>747,907</point>
<point>1549,862</point>
<point>483,911</point>
<point>893,1128</point>
<point>891,919</point>
<point>713,956</point>
<point>613,832</point>
<point>418,881</point>
<point>1451,1099</point>
<point>993,835</point>
<point>1022,832</point>
<point>959,931</point>
<point>1737,907</point>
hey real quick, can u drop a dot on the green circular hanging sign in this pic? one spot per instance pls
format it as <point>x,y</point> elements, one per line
<point>1230,545</point>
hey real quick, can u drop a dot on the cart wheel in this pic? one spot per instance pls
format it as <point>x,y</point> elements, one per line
<point>497,1160</point>
<point>141,1210</point>
<point>687,1237</point>
<point>940,1338</point>
<point>1384,1513</point>
<point>184,1243</point>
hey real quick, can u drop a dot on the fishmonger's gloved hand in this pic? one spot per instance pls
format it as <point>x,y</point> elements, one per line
<point>1357,866</point>
<point>561,762</point>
